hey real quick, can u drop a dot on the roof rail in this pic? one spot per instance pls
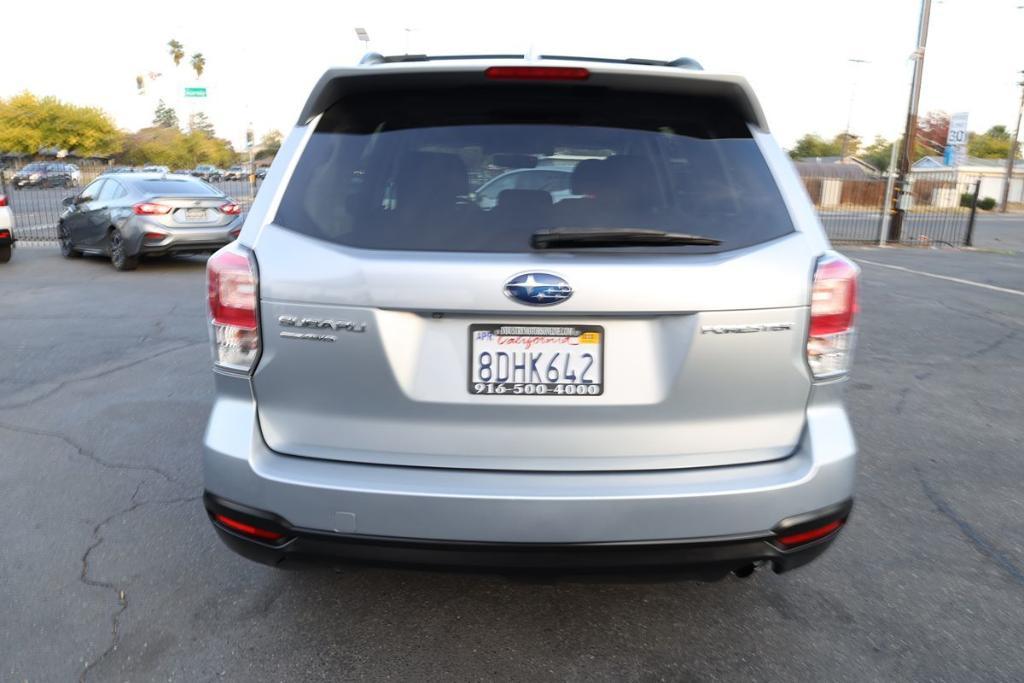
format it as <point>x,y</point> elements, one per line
<point>681,62</point>
<point>686,63</point>
<point>371,58</point>
<point>376,58</point>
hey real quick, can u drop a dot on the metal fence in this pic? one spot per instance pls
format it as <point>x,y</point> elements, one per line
<point>851,209</point>
<point>939,209</point>
<point>36,196</point>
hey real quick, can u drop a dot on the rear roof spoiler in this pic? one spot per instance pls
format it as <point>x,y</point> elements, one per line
<point>682,76</point>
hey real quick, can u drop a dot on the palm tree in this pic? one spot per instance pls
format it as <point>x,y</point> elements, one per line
<point>177,51</point>
<point>198,63</point>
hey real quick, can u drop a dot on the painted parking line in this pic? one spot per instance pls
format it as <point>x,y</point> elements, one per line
<point>961,281</point>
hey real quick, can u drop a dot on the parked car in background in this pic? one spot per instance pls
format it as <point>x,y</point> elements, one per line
<point>556,181</point>
<point>208,172</point>
<point>6,230</point>
<point>155,169</point>
<point>76,174</point>
<point>646,375</point>
<point>182,171</point>
<point>236,172</point>
<point>44,174</point>
<point>119,169</point>
<point>261,173</point>
<point>128,215</point>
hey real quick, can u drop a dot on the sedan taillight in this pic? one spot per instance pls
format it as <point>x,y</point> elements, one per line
<point>232,284</point>
<point>833,308</point>
<point>231,209</point>
<point>150,209</point>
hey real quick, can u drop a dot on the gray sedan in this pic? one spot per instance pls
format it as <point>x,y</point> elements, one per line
<point>125,216</point>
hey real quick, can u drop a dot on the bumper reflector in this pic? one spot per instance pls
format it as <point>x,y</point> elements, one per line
<point>248,529</point>
<point>793,540</point>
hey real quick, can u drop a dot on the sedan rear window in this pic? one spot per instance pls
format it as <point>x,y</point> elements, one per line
<point>192,187</point>
<point>484,169</point>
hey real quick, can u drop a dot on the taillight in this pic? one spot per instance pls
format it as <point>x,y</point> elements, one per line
<point>231,209</point>
<point>537,73</point>
<point>3,200</point>
<point>233,297</point>
<point>802,537</point>
<point>5,234</point>
<point>833,308</point>
<point>248,529</point>
<point>150,209</point>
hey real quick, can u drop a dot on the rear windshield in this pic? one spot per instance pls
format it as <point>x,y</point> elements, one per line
<point>483,170</point>
<point>193,187</point>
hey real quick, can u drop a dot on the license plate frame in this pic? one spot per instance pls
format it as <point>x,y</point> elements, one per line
<point>195,215</point>
<point>544,388</point>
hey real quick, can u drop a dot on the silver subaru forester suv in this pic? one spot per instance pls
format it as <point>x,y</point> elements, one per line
<point>642,373</point>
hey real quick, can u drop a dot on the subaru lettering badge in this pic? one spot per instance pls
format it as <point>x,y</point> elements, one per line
<point>537,289</point>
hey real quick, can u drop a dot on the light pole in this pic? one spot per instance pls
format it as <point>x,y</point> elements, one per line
<point>1013,152</point>
<point>362,35</point>
<point>849,110</point>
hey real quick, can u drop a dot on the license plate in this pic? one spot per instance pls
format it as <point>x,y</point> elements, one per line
<point>536,360</point>
<point>195,214</point>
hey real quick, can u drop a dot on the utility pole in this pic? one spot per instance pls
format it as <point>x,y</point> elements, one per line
<point>910,132</point>
<point>849,110</point>
<point>1013,152</point>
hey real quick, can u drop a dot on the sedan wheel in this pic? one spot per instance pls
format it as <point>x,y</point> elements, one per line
<point>119,253</point>
<point>66,249</point>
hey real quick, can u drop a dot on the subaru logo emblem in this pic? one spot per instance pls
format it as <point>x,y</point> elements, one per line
<point>537,289</point>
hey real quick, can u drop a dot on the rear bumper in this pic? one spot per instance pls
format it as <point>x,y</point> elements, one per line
<point>715,516</point>
<point>707,558</point>
<point>186,240</point>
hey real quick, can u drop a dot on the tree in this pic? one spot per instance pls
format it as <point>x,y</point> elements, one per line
<point>878,153</point>
<point>269,144</point>
<point>992,144</point>
<point>198,122</point>
<point>932,132</point>
<point>176,50</point>
<point>29,123</point>
<point>165,116</point>
<point>198,64</point>
<point>171,147</point>
<point>851,147</point>
<point>812,145</point>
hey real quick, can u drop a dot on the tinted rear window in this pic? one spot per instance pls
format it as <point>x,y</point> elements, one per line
<point>192,187</point>
<point>483,169</point>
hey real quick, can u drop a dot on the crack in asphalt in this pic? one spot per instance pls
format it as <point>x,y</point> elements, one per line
<point>102,373</point>
<point>88,454</point>
<point>122,594</point>
<point>973,536</point>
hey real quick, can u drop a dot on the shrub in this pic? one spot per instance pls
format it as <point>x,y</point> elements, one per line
<point>987,204</point>
<point>967,199</point>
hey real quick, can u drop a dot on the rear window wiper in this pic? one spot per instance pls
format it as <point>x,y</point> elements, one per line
<point>568,238</point>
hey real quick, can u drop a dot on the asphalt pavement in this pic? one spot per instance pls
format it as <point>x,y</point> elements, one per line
<point>109,569</point>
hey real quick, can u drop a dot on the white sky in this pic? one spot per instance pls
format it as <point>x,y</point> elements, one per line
<point>263,57</point>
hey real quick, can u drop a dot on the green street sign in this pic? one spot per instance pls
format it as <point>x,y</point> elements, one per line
<point>195,92</point>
